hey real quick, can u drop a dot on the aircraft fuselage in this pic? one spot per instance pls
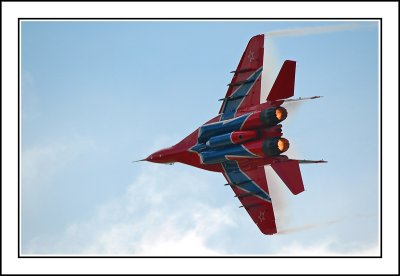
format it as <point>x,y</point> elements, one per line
<point>255,136</point>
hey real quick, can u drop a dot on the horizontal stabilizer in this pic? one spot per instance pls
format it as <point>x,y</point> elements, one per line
<point>283,87</point>
<point>289,172</point>
<point>302,99</point>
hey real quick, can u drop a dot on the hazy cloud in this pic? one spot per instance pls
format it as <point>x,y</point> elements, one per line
<point>316,30</point>
<point>326,248</point>
<point>151,218</point>
<point>41,161</point>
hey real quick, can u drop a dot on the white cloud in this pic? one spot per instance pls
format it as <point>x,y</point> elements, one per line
<point>42,162</point>
<point>39,161</point>
<point>326,248</point>
<point>193,241</point>
<point>165,212</point>
<point>161,213</point>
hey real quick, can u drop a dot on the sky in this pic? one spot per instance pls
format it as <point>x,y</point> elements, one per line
<point>96,95</point>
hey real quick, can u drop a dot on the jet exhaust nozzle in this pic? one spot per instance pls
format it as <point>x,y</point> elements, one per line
<point>272,116</point>
<point>255,120</point>
<point>253,149</point>
<point>275,146</point>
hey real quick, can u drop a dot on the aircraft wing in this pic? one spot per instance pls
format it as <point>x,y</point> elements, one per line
<point>245,88</point>
<point>250,186</point>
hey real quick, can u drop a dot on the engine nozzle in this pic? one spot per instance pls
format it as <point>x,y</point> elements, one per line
<point>275,146</point>
<point>280,113</point>
<point>272,116</point>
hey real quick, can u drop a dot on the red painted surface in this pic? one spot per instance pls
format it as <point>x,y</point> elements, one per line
<point>284,84</point>
<point>290,173</point>
<point>255,147</point>
<point>251,60</point>
<point>239,137</point>
<point>275,131</point>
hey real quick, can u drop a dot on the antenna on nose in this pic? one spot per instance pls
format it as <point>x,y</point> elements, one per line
<point>138,160</point>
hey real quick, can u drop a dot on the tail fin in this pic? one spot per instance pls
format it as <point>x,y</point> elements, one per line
<point>284,84</point>
<point>289,172</point>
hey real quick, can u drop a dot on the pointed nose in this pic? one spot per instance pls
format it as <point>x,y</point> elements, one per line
<point>154,157</point>
<point>162,156</point>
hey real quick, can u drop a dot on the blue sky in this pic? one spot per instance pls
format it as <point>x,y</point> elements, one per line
<point>97,95</point>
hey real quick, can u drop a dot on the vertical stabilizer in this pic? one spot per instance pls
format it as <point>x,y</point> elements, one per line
<point>284,84</point>
<point>289,172</point>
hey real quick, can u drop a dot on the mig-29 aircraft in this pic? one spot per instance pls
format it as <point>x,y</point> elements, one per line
<point>245,136</point>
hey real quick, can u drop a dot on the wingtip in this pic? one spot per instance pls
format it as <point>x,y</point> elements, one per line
<point>305,161</point>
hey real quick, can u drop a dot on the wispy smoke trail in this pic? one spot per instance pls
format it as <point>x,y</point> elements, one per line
<point>323,224</point>
<point>317,30</point>
<point>271,57</point>
<point>279,193</point>
<point>309,226</point>
<point>271,68</point>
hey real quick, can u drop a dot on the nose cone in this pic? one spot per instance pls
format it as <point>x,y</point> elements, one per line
<point>154,157</point>
<point>162,156</point>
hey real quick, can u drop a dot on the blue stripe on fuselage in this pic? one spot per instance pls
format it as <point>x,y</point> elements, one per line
<point>231,106</point>
<point>236,175</point>
<point>221,127</point>
<point>220,140</point>
<point>219,155</point>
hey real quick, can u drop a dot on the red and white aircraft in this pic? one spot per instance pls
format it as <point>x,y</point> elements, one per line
<point>245,136</point>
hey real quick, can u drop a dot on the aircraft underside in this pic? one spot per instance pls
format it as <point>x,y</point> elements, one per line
<point>245,136</point>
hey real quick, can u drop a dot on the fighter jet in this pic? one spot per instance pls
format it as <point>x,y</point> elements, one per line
<point>246,136</point>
